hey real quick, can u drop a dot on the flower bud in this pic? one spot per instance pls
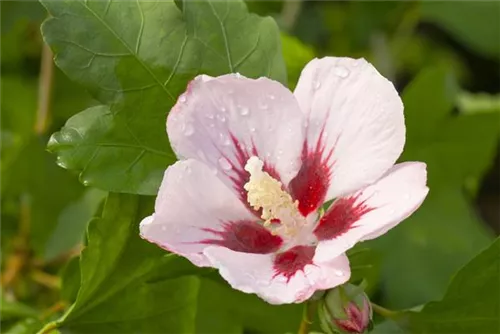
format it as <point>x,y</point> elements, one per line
<point>345,309</point>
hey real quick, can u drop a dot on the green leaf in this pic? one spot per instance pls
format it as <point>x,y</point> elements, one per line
<point>470,103</point>
<point>137,57</point>
<point>424,251</point>
<point>474,23</point>
<point>471,303</point>
<point>222,309</point>
<point>116,294</point>
<point>13,309</point>
<point>297,55</point>
<point>365,265</point>
<point>72,222</point>
<point>429,97</point>
<point>70,280</point>
<point>45,204</point>
<point>25,326</point>
<point>18,111</point>
<point>388,327</point>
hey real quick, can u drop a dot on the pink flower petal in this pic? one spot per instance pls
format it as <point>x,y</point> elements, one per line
<point>372,211</point>
<point>255,273</point>
<point>195,210</point>
<point>355,128</point>
<point>224,121</point>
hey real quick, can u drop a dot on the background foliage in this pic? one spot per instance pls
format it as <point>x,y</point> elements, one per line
<point>119,68</point>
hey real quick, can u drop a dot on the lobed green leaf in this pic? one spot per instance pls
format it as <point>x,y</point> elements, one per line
<point>136,58</point>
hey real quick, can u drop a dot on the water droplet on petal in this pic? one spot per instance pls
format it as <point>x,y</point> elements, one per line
<point>225,164</point>
<point>223,109</point>
<point>188,130</point>
<point>221,118</point>
<point>210,116</point>
<point>339,273</point>
<point>182,98</point>
<point>252,129</point>
<point>244,111</point>
<point>238,75</point>
<point>341,71</point>
<point>316,84</point>
<point>272,97</point>
<point>281,278</point>
<point>163,228</point>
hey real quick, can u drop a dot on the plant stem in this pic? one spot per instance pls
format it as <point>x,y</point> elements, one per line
<point>307,316</point>
<point>47,280</point>
<point>386,313</point>
<point>48,328</point>
<point>290,13</point>
<point>44,90</point>
<point>57,307</point>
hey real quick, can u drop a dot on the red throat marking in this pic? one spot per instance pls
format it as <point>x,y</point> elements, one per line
<point>339,219</point>
<point>310,185</point>
<point>245,236</point>
<point>293,260</point>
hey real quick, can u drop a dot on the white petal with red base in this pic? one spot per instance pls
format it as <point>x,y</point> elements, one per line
<point>372,211</point>
<point>225,120</point>
<point>357,117</point>
<point>255,273</point>
<point>191,199</point>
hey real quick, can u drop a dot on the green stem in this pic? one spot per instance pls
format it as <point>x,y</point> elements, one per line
<point>48,328</point>
<point>386,313</point>
<point>307,316</point>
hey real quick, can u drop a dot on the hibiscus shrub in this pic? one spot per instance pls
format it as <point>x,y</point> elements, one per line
<point>259,167</point>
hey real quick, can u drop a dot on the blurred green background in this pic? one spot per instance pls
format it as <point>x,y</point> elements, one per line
<point>444,59</point>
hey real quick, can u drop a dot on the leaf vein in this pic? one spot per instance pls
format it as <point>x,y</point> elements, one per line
<point>224,35</point>
<point>129,49</point>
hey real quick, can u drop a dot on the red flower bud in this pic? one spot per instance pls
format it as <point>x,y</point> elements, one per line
<point>345,309</point>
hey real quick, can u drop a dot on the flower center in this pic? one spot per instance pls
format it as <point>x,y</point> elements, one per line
<point>266,193</point>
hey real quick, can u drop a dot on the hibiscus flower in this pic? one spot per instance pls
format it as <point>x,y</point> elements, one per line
<point>273,187</point>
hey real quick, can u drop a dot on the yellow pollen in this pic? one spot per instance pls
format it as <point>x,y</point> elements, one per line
<point>264,192</point>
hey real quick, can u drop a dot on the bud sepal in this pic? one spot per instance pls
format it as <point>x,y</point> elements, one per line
<point>345,309</point>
